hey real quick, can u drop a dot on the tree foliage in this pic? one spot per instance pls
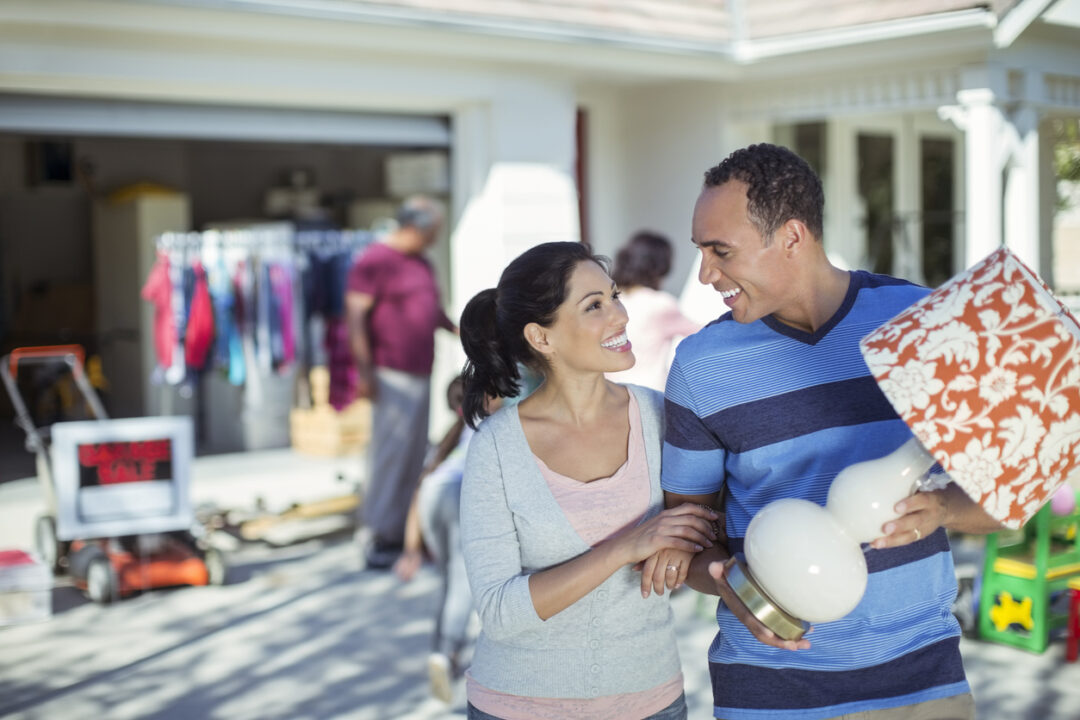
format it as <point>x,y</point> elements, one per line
<point>1066,135</point>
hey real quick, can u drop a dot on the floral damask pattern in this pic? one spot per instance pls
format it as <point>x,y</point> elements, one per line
<point>986,372</point>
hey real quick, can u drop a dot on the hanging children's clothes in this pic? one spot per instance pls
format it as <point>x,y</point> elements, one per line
<point>228,352</point>
<point>176,372</point>
<point>282,330</point>
<point>238,299</point>
<point>158,290</point>
<point>199,336</point>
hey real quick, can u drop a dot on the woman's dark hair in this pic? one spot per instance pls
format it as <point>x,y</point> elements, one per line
<point>530,290</point>
<point>644,260</point>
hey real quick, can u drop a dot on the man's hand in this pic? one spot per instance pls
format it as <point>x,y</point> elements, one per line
<point>357,307</point>
<point>718,571</point>
<point>924,512</point>
<point>365,384</point>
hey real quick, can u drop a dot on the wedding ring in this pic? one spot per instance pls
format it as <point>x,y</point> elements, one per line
<point>673,568</point>
<point>918,535</point>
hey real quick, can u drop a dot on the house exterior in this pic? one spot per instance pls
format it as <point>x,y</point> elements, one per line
<point>929,120</point>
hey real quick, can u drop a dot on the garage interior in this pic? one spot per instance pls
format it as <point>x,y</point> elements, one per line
<point>67,257</point>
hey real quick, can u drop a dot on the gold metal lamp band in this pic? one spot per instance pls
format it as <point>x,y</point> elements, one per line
<point>769,613</point>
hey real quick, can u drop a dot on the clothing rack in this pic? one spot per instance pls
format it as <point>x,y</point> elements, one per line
<point>271,236</point>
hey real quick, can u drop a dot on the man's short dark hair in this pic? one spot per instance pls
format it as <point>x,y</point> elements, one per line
<point>780,186</point>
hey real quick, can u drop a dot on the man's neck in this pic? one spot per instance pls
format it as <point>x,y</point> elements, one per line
<point>404,243</point>
<point>821,294</point>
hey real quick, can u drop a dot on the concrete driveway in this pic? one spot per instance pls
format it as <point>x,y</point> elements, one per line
<point>301,632</point>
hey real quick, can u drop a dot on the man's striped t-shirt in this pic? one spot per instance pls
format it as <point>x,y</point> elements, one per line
<point>768,412</point>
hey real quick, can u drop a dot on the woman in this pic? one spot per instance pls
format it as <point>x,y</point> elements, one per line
<point>655,319</point>
<point>561,497</point>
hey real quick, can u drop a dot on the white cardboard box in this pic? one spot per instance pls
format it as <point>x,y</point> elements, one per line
<point>25,588</point>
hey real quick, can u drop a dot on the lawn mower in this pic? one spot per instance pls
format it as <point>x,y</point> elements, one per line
<point>118,515</point>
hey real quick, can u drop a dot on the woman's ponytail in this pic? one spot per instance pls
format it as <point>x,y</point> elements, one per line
<point>490,370</point>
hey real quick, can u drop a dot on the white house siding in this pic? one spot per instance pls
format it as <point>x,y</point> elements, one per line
<point>667,96</point>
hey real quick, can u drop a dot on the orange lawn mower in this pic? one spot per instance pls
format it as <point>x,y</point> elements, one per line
<point>118,514</point>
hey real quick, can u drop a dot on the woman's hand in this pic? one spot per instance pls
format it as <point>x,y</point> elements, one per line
<point>688,528</point>
<point>667,568</point>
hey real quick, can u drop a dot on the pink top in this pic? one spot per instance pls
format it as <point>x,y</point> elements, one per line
<point>655,322</point>
<point>597,510</point>
<point>407,310</point>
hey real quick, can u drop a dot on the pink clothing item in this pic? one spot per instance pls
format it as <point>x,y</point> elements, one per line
<point>158,290</point>
<point>655,322</point>
<point>601,508</point>
<point>199,334</point>
<point>597,510</point>
<point>406,311</point>
<point>627,706</point>
<point>343,375</point>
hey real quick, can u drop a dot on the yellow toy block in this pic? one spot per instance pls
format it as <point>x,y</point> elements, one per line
<point>1008,611</point>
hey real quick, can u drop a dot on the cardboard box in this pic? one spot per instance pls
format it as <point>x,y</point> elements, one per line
<point>322,430</point>
<point>25,588</point>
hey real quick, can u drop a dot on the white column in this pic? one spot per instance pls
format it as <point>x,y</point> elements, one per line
<point>984,138</point>
<point>513,173</point>
<point>1024,224</point>
<point>703,151</point>
<point>513,188</point>
<point>844,237</point>
<point>907,236</point>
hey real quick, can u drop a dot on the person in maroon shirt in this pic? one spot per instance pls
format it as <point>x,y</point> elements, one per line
<point>393,308</point>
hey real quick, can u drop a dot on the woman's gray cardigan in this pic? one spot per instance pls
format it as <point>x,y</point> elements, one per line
<point>612,640</point>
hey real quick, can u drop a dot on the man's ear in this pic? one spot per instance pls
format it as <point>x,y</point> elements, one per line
<point>793,236</point>
<point>536,336</point>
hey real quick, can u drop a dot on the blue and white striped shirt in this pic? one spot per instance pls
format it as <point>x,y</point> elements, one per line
<point>768,412</point>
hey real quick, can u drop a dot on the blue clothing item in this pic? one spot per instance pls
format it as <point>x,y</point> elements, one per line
<point>323,281</point>
<point>228,351</point>
<point>766,411</point>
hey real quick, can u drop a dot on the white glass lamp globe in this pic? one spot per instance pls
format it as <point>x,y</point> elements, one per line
<point>804,562</point>
<point>863,495</point>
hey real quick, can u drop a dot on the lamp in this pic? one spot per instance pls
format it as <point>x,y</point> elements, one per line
<point>985,370</point>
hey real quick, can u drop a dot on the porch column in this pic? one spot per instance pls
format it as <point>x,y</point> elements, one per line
<point>513,176</point>
<point>984,127</point>
<point>1027,228</point>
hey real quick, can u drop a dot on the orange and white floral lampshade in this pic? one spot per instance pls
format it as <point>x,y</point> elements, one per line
<point>986,372</point>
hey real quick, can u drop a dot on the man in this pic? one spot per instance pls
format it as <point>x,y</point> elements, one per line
<point>393,308</point>
<point>772,400</point>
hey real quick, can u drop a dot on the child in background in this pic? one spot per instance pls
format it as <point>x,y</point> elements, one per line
<point>433,522</point>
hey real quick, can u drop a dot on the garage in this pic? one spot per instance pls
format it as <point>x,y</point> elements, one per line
<point>87,186</point>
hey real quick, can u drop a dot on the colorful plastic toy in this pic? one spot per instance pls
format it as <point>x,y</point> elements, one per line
<point>1021,570</point>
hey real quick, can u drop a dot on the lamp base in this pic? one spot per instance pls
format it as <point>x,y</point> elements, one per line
<point>770,614</point>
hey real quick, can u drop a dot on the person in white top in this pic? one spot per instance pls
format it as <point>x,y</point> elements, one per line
<point>655,319</point>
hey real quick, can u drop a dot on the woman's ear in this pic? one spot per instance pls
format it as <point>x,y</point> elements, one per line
<point>537,337</point>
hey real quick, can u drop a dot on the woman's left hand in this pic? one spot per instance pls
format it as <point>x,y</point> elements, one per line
<point>667,568</point>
